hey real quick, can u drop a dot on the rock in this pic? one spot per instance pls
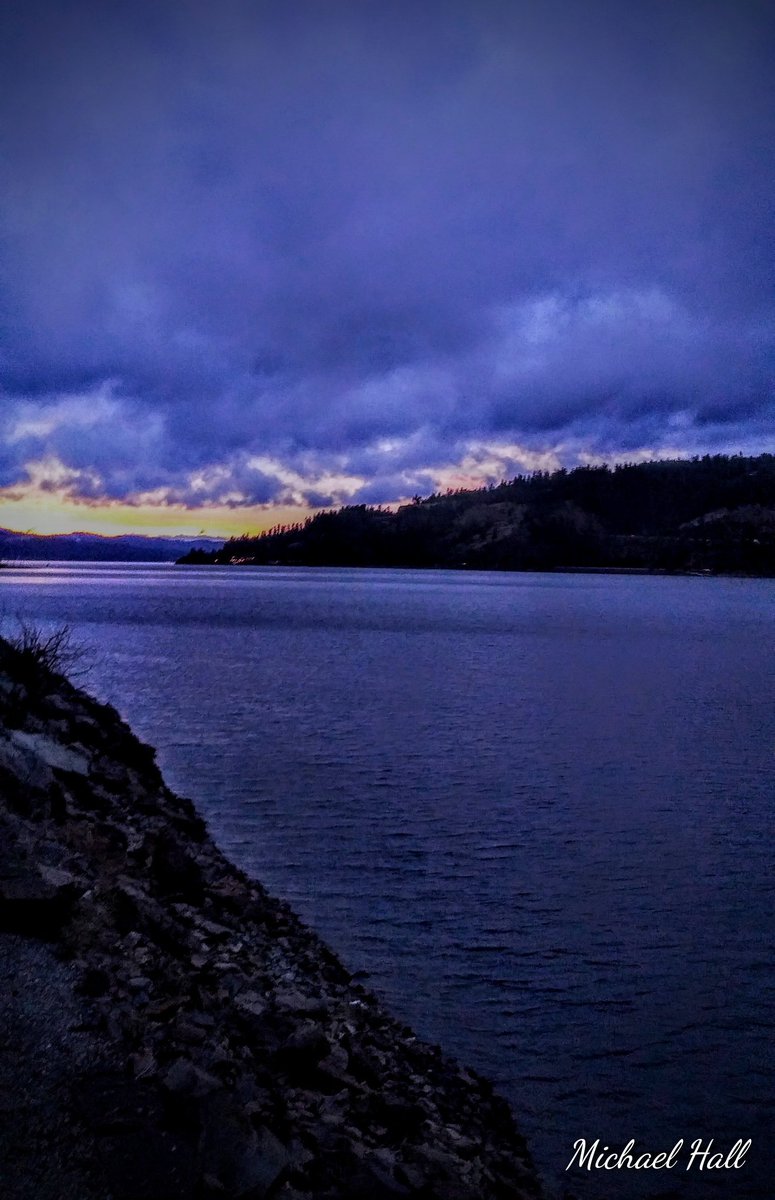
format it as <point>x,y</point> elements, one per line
<point>164,1010</point>
<point>212,930</point>
<point>446,1164</point>
<point>203,1020</point>
<point>297,1002</point>
<point>336,1061</point>
<point>189,1032</point>
<point>143,1065</point>
<point>371,1179</point>
<point>246,1162</point>
<point>185,1079</point>
<point>303,1050</point>
<point>412,1176</point>
<point>55,877</point>
<point>250,1003</point>
<point>52,752</point>
<point>23,766</point>
<point>30,906</point>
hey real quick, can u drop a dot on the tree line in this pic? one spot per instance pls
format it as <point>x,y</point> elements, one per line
<point>714,513</point>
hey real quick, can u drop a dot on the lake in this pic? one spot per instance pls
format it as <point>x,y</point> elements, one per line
<point>536,809</point>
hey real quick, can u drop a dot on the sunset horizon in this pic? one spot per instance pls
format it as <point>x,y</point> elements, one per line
<point>31,510</point>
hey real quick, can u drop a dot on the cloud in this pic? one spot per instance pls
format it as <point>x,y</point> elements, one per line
<point>255,254</point>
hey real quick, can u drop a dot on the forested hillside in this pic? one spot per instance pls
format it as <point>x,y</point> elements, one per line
<point>715,513</point>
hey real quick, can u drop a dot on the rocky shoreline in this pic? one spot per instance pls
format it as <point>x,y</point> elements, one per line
<point>171,1030</point>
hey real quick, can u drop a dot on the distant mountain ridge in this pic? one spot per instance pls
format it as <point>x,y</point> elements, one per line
<point>714,514</point>
<point>94,547</point>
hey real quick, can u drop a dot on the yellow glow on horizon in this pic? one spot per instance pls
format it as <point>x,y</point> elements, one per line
<point>48,502</point>
<point>44,513</point>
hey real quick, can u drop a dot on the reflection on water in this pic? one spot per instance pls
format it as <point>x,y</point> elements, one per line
<point>536,809</point>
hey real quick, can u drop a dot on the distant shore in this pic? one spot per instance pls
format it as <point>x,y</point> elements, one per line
<point>712,515</point>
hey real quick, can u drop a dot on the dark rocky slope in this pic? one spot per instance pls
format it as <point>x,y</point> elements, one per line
<point>173,1031</point>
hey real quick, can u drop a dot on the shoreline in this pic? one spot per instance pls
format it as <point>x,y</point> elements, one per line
<point>235,1054</point>
<point>662,572</point>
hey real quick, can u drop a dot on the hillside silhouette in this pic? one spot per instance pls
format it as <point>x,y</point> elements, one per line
<point>711,514</point>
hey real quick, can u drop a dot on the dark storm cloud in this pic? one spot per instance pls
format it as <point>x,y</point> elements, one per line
<point>349,235</point>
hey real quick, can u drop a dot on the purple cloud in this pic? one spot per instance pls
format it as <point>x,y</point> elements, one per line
<point>352,242</point>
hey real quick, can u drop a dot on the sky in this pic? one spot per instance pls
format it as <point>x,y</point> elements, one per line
<point>259,258</point>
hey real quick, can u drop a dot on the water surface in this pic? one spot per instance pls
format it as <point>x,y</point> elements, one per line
<point>535,808</point>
